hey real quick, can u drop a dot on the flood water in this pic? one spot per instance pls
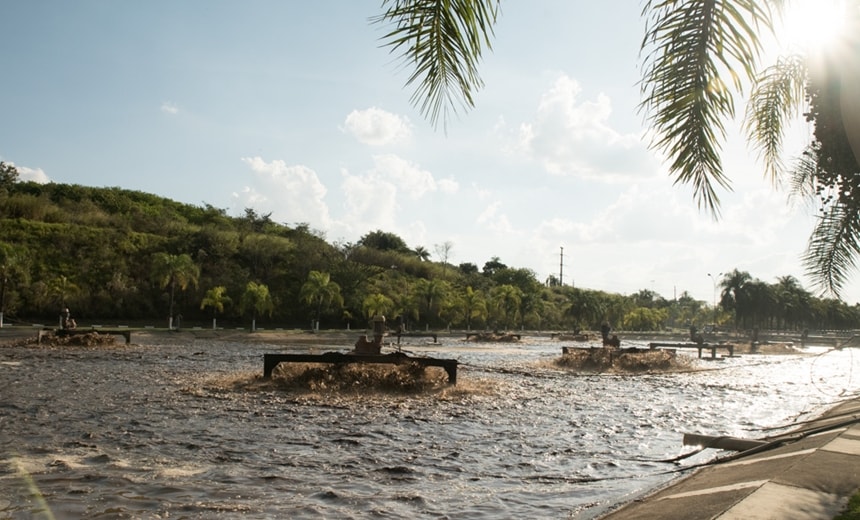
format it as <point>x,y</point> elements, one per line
<point>163,431</point>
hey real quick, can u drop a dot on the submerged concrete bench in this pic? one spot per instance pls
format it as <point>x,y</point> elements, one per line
<point>698,346</point>
<point>270,361</point>
<point>417,335</point>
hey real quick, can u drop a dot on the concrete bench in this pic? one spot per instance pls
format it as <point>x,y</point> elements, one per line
<point>698,346</point>
<point>270,361</point>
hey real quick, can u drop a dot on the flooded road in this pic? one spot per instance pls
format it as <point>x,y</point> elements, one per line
<point>186,430</point>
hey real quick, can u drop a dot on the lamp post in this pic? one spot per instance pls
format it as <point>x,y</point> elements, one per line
<point>714,281</point>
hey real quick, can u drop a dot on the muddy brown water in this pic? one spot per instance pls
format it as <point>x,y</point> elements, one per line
<point>185,429</point>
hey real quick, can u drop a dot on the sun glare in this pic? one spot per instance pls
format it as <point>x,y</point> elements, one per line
<point>811,25</point>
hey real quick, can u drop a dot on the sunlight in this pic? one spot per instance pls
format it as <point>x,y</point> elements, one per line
<point>810,26</point>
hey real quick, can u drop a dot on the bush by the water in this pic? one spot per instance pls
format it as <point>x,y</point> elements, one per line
<point>619,360</point>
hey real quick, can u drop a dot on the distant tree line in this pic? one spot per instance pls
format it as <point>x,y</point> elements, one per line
<point>121,256</point>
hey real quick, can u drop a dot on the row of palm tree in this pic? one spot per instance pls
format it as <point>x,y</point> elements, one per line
<point>180,272</point>
<point>746,303</point>
<point>751,303</point>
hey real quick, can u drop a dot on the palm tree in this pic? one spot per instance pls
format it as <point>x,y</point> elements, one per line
<point>697,54</point>
<point>792,301</point>
<point>686,308</point>
<point>320,291</point>
<point>473,305</point>
<point>734,297</point>
<point>377,305</point>
<point>585,308</point>
<point>506,302</point>
<point>431,294</point>
<point>422,254</point>
<point>762,304</point>
<point>216,298</point>
<point>256,300</point>
<point>174,271</point>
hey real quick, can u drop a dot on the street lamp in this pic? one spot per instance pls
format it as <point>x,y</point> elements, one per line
<point>714,281</point>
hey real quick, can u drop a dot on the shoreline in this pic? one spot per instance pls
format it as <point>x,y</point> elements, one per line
<point>347,337</point>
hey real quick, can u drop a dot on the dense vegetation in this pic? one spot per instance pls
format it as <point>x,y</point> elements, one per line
<point>121,256</point>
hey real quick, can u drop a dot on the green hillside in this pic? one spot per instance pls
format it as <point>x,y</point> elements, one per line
<point>116,256</point>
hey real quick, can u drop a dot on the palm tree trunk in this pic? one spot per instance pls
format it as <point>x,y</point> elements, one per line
<point>319,313</point>
<point>170,317</point>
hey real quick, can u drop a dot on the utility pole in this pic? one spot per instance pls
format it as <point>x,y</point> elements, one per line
<point>561,267</point>
<point>714,281</point>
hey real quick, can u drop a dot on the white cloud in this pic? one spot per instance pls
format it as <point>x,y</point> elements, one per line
<point>409,178</point>
<point>370,202</point>
<point>169,108</point>
<point>31,174</point>
<point>250,198</point>
<point>651,235</point>
<point>292,193</point>
<point>494,221</point>
<point>448,185</point>
<point>375,199</point>
<point>573,137</point>
<point>377,127</point>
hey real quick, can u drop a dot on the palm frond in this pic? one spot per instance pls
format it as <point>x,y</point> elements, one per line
<point>777,97</point>
<point>443,40</point>
<point>690,46</point>
<point>833,248</point>
<point>802,176</point>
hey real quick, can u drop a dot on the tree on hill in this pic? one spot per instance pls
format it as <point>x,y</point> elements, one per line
<point>422,254</point>
<point>585,308</point>
<point>8,174</point>
<point>431,294</point>
<point>216,298</point>
<point>377,305</point>
<point>506,300</point>
<point>174,271</point>
<point>256,300</point>
<point>320,291</point>
<point>493,265</point>
<point>384,241</point>
<point>60,289</point>
<point>471,305</point>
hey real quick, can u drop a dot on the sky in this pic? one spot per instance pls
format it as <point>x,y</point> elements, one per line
<point>294,108</point>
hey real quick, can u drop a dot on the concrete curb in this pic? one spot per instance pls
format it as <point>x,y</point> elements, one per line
<point>807,474</point>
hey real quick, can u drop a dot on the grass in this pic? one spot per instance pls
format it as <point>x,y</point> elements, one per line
<point>852,510</point>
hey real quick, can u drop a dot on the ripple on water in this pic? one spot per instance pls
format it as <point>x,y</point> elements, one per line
<point>173,430</point>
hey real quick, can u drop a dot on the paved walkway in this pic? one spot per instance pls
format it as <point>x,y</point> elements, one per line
<point>807,474</point>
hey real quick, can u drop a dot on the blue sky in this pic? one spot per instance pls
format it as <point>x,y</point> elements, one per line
<point>293,108</point>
